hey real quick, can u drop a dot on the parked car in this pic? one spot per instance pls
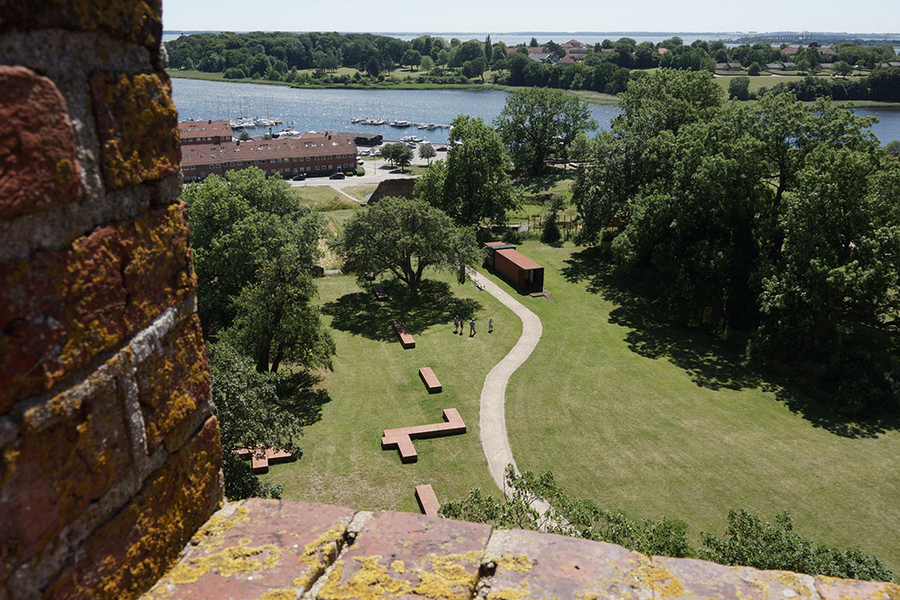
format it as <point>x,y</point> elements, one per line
<point>441,148</point>
<point>337,175</point>
<point>299,177</point>
<point>360,161</point>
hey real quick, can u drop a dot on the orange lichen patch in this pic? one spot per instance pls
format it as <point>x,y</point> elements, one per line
<point>659,579</point>
<point>38,149</point>
<point>236,559</point>
<point>132,550</point>
<point>319,553</point>
<point>172,383</point>
<point>138,127</point>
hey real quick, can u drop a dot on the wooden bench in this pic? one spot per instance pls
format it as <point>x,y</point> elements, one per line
<point>430,379</point>
<point>260,459</point>
<point>379,292</point>
<point>428,502</point>
<point>402,437</point>
<point>406,338</point>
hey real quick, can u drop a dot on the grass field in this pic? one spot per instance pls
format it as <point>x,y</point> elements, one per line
<point>360,191</point>
<point>375,385</point>
<point>658,420</point>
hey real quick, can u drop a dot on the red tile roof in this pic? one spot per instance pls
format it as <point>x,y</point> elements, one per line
<point>314,147</point>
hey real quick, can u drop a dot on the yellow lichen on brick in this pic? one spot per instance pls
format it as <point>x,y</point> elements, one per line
<point>371,582</point>
<point>660,580</point>
<point>318,554</point>
<point>65,170</point>
<point>519,563</point>
<point>279,595</point>
<point>237,559</point>
<point>398,566</point>
<point>210,535</point>
<point>510,593</point>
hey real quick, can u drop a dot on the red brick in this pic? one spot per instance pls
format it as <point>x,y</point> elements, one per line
<point>129,553</point>
<point>536,565</point>
<point>172,383</point>
<point>138,21</point>
<point>38,164</point>
<point>830,588</point>
<point>61,309</point>
<point>71,451</point>
<point>138,127</point>
<point>410,556</point>
<point>687,578</point>
<point>289,545</point>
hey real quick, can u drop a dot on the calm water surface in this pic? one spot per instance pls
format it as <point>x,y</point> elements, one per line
<point>320,110</point>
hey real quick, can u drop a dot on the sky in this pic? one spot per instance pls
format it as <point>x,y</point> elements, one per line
<point>503,16</point>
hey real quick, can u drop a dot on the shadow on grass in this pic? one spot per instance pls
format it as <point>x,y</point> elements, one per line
<point>360,313</point>
<point>299,394</point>
<point>711,363</point>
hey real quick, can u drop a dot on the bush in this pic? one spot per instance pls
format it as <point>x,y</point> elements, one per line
<point>235,73</point>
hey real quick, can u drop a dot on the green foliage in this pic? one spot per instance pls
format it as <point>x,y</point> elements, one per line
<point>399,154</point>
<point>539,123</point>
<point>754,69</point>
<point>404,237</point>
<point>427,152</point>
<point>472,185</point>
<point>750,542</point>
<point>739,88</point>
<point>234,73</point>
<point>538,503</point>
<point>776,220</point>
<point>549,229</point>
<point>893,148</point>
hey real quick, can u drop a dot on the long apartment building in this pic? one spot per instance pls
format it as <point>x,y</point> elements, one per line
<point>312,154</point>
<point>204,132</point>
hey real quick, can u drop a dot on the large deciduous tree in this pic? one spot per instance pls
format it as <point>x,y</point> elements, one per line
<point>472,185</point>
<point>405,237</point>
<point>539,123</point>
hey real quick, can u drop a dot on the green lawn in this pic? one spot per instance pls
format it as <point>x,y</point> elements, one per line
<point>323,196</point>
<point>658,420</point>
<point>375,385</point>
<point>360,191</point>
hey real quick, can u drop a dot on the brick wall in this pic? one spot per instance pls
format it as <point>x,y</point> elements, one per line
<point>109,453</point>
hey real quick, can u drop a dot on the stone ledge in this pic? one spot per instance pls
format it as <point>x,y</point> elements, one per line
<point>292,550</point>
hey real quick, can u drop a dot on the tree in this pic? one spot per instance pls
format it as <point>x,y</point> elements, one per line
<point>754,69</point>
<point>533,43</point>
<point>240,222</point>
<point>427,152</point>
<point>406,237</point>
<point>399,154</point>
<point>539,123</point>
<point>474,68</point>
<point>739,88</point>
<point>472,185</point>
<point>275,320</point>
<point>893,148</point>
<point>412,58</point>
<point>488,49</point>
<point>842,68</point>
<point>427,64</point>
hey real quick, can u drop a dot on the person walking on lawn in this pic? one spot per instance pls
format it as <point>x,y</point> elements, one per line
<point>455,323</point>
<point>472,327</point>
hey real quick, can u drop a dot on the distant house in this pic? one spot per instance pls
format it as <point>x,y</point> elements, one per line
<point>539,57</point>
<point>537,50</point>
<point>827,66</point>
<point>728,67</point>
<point>791,50</point>
<point>662,50</point>
<point>827,52</point>
<point>574,45</point>
<point>890,65</point>
<point>366,139</point>
<point>774,66</point>
<point>204,132</point>
<point>571,59</point>
<point>789,66</point>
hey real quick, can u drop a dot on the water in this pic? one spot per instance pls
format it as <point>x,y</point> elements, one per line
<point>320,110</point>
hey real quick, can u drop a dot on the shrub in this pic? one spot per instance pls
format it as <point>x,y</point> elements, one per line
<point>235,73</point>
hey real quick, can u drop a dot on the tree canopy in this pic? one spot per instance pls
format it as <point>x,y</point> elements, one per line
<point>472,185</point>
<point>404,238</point>
<point>778,220</point>
<point>540,123</point>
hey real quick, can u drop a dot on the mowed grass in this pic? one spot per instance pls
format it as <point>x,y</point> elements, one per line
<point>375,385</point>
<point>662,421</point>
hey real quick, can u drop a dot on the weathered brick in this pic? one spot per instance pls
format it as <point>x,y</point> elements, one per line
<point>409,556</point>
<point>830,588</point>
<point>172,383</point>
<point>129,553</point>
<point>38,165</point>
<point>70,451</point>
<point>258,545</point>
<point>138,21</point>
<point>138,127</point>
<point>61,309</point>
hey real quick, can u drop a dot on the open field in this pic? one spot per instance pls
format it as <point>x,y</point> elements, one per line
<point>659,420</point>
<point>375,385</point>
<point>360,191</point>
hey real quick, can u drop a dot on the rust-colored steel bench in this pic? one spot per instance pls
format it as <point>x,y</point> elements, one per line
<point>430,379</point>
<point>401,438</point>
<point>406,338</point>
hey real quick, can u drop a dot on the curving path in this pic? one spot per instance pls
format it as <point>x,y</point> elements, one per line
<point>493,395</point>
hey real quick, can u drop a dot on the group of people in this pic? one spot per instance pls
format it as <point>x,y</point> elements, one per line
<point>460,324</point>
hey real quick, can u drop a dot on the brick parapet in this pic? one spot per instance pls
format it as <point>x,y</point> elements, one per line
<point>291,550</point>
<point>109,453</point>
